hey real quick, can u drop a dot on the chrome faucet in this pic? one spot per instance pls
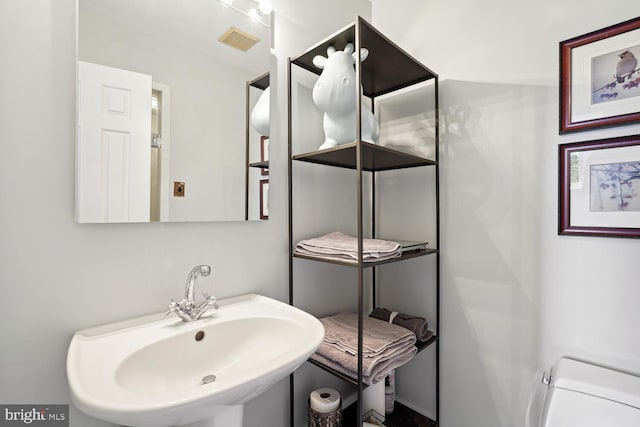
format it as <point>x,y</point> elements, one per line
<point>186,308</point>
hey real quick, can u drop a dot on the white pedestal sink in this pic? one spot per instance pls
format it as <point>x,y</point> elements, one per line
<point>155,371</point>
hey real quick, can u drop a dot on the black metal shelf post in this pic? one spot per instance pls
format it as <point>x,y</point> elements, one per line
<point>389,70</point>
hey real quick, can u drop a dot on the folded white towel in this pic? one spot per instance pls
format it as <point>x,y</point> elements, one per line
<point>340,246</point>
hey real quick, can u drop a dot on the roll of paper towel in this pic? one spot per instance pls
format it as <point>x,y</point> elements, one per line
<point>324,400</point>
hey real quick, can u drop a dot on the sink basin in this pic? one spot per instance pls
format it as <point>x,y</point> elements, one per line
<point>156,371</point>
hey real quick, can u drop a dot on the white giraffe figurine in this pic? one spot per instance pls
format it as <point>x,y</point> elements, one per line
<point>335,94</point>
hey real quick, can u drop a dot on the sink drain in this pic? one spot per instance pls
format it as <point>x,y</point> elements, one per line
<point>208,379</point>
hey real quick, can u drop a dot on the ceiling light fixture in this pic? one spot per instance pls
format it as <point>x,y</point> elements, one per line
<point>260,14</point>
<point>254,14</point>
<point>265,7</point>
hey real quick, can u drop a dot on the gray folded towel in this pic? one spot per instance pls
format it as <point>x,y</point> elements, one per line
<point>385,346</point>
<point>342,247</point>
<point>378,372</point>
<point>418,325</point>
<point>341,332</point>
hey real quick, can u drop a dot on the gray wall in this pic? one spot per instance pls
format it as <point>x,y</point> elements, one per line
<point>515,296</point>
<point>58,276</point>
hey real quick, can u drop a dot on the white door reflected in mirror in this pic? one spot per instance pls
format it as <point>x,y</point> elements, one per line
<point>114,129</point>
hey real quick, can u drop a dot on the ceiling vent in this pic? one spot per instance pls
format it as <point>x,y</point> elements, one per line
<point>238,39</point>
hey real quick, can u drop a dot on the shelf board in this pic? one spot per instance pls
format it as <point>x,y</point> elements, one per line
<point>423,345</point>
<point>261,165</point>
<point>402,416</point>
<point>261,82</point>
<point>387,68</point>
<point>405,256</point>
<point>420,345</point>
<point>335,373</point>
<point>374,157</point>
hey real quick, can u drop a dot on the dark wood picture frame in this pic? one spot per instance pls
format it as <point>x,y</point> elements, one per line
<point>264,153</point>
<point>567,122</point>
<point>565,151</point>
<point>264,199</point>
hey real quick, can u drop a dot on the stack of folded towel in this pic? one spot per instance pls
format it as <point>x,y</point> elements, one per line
<point>342,247</point>
<point>417,325</point>
<point>385,346</point>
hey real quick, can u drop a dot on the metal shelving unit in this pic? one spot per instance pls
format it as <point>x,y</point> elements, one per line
<point>261,82</point>
<point>388,70</point>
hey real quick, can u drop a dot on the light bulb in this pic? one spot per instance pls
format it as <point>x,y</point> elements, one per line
<point>253,14</point>
<point>265,7</point>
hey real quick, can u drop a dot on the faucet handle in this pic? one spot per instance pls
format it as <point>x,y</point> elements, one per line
<point>173,307</point>
<point>210,300</point>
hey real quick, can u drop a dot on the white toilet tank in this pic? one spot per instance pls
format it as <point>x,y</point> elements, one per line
<point>584,395</point>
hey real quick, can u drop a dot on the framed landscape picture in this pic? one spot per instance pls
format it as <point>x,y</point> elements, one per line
<point>599,188</point>
<point>600,78</point>
<point>264,199</point>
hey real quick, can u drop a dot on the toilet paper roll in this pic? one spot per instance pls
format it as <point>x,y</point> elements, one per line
<point>324,400</point>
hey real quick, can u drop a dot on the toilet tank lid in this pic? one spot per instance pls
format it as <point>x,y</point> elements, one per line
<point>606,383</point>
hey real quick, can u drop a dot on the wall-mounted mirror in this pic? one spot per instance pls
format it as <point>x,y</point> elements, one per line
<point>163,99</point>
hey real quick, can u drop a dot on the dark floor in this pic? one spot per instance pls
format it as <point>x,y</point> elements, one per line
<point>401,417</point>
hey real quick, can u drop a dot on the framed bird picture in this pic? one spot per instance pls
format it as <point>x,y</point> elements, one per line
<point>600,78</point>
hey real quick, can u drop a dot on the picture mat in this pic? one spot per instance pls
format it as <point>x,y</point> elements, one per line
<point>581,107</point>
<point>580,195</point>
